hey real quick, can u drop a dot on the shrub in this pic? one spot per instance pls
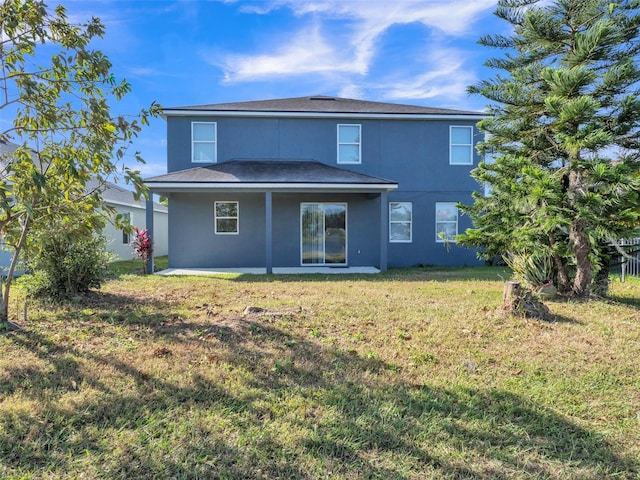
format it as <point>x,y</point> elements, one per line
<point>142,247</point>
<point>532,269</point>
<point>68,267</point>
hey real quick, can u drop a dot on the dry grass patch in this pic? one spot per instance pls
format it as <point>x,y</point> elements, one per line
<point>410,374</point>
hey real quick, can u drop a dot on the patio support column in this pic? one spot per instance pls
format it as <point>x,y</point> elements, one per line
<point>149,215</point>
<point>268,202</point>
<point>384,225</point>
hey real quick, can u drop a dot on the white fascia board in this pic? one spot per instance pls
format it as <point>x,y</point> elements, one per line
<point>300,187</point>
<point>124,204</point>
<point>132,205</point>
<point>376,116</point>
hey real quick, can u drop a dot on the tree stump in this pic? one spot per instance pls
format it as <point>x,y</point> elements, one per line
<point>511,297</point>
<point>520,302</point>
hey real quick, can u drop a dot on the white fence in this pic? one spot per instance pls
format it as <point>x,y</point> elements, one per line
<point>631,264</point>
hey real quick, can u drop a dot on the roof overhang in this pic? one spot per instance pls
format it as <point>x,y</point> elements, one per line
<point>269,175</point>
<point>275,114</point>
<point>140,206</point>
<point>209,187</point>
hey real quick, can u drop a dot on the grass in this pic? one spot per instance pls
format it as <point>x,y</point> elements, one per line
<point>411,374</point>
<point>135,266</point>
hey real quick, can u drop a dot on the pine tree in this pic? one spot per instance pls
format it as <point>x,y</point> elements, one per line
<point>563,131</point>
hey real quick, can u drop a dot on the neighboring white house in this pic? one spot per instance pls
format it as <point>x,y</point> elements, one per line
<point>122,200</point>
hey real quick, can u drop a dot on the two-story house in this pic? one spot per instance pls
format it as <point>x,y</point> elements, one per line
<point>317,181</point>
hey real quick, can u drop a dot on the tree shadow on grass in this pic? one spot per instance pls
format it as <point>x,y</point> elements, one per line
<point>629,301</point>
<point>256,401</point>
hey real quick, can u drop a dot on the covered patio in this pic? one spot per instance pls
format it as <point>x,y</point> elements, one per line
<point>279,177</point>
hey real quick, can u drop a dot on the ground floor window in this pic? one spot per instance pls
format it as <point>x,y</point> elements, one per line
<point>400,221</point>
<point>226,218</point>
<point>126,236</point>
<point>323,233</point>
<point>446,221</point>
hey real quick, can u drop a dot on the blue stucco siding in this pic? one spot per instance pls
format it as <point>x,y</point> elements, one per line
<point>414,153</point>
<point>247,138</point>
<point>192,241</point>
<point>424,249</point>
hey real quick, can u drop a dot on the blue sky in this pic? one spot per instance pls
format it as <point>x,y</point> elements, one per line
<point>197,52</point>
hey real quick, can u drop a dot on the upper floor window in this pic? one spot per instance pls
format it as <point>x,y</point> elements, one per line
<point>400,220</point>
<point>446,222</point>
<point>203,142</point>
<point>226,217</point>
<point>460,145</point>
<point>349,144</point>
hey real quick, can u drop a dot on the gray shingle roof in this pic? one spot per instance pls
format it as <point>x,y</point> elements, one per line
<point>269,171</point>
<point>112,193</point>
<point>321,104</point>
<point>6,151</point>
<point>7,148</point>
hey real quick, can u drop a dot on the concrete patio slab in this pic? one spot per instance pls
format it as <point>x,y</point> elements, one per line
<point>276,270</point>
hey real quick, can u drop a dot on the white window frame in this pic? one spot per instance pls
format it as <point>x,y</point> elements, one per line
<point>214,142</point>
<point>358,144</point>
<point>410,222</point>
<point>216,217</point>
<point>346,230</point>
<point>441,240</point>
<point>451,145</point>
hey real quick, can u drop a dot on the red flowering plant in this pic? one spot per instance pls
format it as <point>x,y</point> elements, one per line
<point>142,247</point>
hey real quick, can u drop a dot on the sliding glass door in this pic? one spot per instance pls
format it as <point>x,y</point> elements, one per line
<point>323,233</point>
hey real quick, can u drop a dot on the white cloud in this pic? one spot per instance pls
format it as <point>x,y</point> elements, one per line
<point>151,169</point>
<point>305,52</point>
<point>142,71</point>
<point>351,91</point>
<point>319,48</point>
<point>453,17</point>
<point>447,77</point>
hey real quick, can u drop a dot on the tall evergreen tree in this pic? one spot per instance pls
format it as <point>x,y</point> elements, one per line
<point>564,134</point>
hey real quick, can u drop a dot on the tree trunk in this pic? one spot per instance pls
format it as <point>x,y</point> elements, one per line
<point>581,245</point>
<point>579,239</point>
<point>4,301</point>
<point>4,310</point>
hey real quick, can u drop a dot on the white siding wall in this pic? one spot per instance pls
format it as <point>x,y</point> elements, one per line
<point>160,233</point>
<point>123,251</point>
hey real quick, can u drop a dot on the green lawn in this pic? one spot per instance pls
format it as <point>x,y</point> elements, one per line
<point>135,267</point>
<point>410,374</point>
